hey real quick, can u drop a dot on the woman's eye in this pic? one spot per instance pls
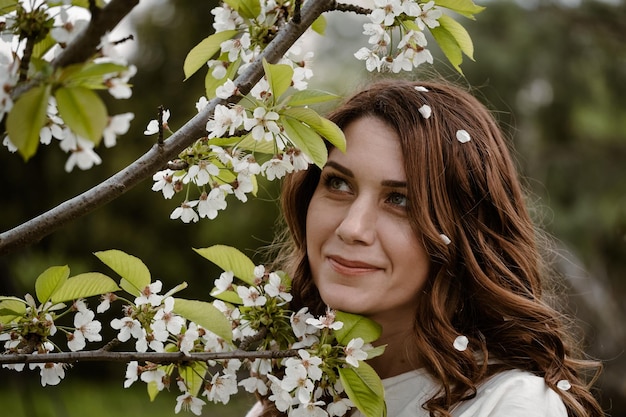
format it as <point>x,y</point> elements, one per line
<point>397,199</point>
<point>337,184</point>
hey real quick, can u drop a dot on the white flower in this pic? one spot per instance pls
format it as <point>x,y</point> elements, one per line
<point>372,60</point>
<point>299,323</point>
<point>281,398</point>
<point>425,111</point>
<point>296,378</point>
<point>402,62</point>
<point>201,173</point>
<point>254,384</point>
<point>226,90</point>
<point>164,182</point>
<point>128,327</point>
<point>377,34</point>
<point>462,136</point>
<point>327,321</point>
<point>118,125</point>
<point>310,363</point>
<point>460,343</point>
<point>131,373</point>
<point>275,288</point>
<point>82,153</point>
<point>263,124</point>
<point>225,18</point>
<point>209,204</point>
<point>51,373</point>
<point>188,402</point>
<point>149,295</point>
<point>276,168</point>
<point>66,33</point>
<point>445,239</point>
<point>224,119</point>
<point>201,103</point>
<point>156,376</point>
<point>244,186</point>
<point>153,125</point>
<point>261,91</point>
<point>221,388</point>
<point>188,342</point>
<point>339,407</point>
<point>309,409</point>
<point>186,212</point>
<point>86,329</point>
<point>430,16</point>
<point>237,47</point>
<point>251,296</point>
<point>171,322</point>
<point>354,353</point>
<point>105,303</point>
<point>224,282</point>
<point>386,11</point>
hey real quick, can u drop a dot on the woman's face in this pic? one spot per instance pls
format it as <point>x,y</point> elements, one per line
<point>363,254</point>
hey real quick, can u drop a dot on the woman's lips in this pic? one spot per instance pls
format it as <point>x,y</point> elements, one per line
<point>351,267</point>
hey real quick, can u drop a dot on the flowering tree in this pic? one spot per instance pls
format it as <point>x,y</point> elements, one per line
<point>254,119</point>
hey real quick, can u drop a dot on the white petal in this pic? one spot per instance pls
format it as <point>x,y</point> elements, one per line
<point>460,343</point>
<point>446,240</point>
<point>563,385</point>
<point>425,111</point>
<point>462,136</point>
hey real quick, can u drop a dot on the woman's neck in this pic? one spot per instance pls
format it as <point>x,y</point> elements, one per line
<point>400,354</point>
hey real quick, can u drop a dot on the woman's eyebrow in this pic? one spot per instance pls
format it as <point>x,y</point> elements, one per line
<point>347,172</point>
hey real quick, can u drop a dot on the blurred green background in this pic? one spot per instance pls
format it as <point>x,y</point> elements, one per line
<point>554,72</point>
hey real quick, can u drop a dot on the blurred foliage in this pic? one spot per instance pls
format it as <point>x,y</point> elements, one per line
<point>555,76</point>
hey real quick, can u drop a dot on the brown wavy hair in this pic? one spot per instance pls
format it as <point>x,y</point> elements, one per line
<point>487,283</point>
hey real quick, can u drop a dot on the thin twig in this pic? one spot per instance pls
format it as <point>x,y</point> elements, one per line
<point>102,355</point>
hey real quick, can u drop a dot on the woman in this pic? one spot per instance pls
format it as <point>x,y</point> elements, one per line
<point>421,225</point>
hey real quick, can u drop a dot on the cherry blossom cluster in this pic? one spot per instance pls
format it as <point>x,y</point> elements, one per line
<point>32,332</point>
<point>212,172</point>
<point>406,18</point>
<point>64,25</point>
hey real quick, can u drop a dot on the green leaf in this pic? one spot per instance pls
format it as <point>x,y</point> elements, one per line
<point>50,281</point>
<point>365,389</point>
<point>230,259</point>
<point>466,8</point>
<point>227,296</point>
<point>89,74</point>
<point>356,326</point>
<point>135,275</point>
<point>319,25</point>
<point>248,9</point>
<point>11,308</point>
<point>327,129</point>
<point>460,35</point>
<point>193,376</point>
<point>26,119</point>
<point>278,77</point>
<point>308,97</point>
<point>7,6</point>
<point>306,139</point>
<point>83,286</point>
<point>248,143</point>
<point>202,52</point>
<point>206,315</point>
<point>43,46</point>
<point>83,111</point>
<point>449,46</point>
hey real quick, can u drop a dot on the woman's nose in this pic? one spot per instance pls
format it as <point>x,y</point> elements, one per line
<point>359,223</point>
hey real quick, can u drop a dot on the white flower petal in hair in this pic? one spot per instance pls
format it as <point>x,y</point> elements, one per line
<point>421,89</point>
<point>446,240</point>
<point>460,343</point>
<point>462,136</point>
<point>425,111</point>
<point>563,385</point>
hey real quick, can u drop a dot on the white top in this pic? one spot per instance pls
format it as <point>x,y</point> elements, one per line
<point>512,393</point>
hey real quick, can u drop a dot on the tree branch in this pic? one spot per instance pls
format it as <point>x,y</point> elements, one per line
<point>154,357</point>
<point>37,228</point>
